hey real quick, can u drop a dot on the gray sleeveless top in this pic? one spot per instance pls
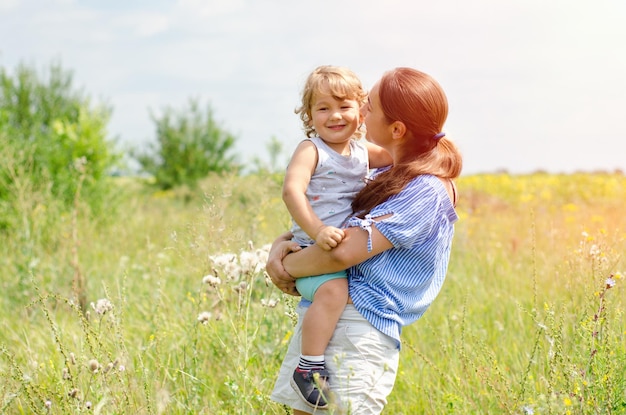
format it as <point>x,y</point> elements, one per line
<point>334,184</point>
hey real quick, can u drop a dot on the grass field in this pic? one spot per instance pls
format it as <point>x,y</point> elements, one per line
<point>181,320</point>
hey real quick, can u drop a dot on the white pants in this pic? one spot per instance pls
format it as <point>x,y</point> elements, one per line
<point>362,362</point>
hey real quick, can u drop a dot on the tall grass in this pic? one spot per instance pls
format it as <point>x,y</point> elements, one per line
<point>181,320</point>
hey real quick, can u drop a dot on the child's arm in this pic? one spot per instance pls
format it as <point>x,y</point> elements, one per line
<point>378,156</point>
<point>299,172</point>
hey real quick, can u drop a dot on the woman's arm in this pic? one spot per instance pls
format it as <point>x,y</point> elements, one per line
<point>281,247</point>
<point>351,251</point>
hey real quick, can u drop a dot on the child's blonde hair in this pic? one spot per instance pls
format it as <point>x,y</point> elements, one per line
<point>337,81</point>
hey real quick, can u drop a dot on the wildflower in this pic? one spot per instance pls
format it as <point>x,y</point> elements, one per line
<point>528,410</point>
<point>102,306</point>
<point>594,251</point>
<point>109,367</point>
<point>65,374</point>
<point>271,303</point>
<point>610,282</point>
<point>72,358</point>
<point>241,287</point>
<point>211,280</point>
<point>93,365</point>
<point>121,368</point>
<point>73,393</point>
<point>88,405</point>
<point>223,260</point>
<point>204,317</point>
<point>233,271</point>
<point>248,261</point>
<point>48,404</point>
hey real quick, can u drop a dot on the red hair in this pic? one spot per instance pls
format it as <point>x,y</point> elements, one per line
<point>418,101</point>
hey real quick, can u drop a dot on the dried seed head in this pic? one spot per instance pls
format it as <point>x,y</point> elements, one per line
<point>108,368</point>
<point>93,365</point>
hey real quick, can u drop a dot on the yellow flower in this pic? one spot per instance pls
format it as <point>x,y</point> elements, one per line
<point>567,401</point>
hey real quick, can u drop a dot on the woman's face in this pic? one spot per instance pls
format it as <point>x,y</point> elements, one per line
<point>375,120</point>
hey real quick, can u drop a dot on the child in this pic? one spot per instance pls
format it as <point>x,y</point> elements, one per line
<point>324,174</point>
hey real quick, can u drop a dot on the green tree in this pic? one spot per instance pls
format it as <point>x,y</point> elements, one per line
<point>190,145</point>
<point>54,141</point>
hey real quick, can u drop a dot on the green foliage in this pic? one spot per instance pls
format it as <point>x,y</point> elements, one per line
<point>190,145</point>
<point>52,141</point>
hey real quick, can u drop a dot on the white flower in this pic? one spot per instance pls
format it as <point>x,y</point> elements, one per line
<point>271,303</point>
<point>262,254</point>
<point>528,410</point>
<point>204,317</point>
<point>232,271</point>
<point>248,261</point>
<point>211,280</point>
<point>102,306</point>
<point>610,282</point>
<point>223,260</point>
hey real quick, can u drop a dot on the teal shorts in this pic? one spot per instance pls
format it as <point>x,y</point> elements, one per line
<point>307,286</point>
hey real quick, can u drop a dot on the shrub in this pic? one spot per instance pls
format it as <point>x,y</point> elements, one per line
<point>190,145</point>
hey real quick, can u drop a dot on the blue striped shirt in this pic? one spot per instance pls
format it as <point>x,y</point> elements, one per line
<point>394,288</point>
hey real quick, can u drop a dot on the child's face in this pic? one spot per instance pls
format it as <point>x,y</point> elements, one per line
<point>334,120</point>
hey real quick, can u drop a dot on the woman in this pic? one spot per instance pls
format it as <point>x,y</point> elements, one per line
<point>396,247</point>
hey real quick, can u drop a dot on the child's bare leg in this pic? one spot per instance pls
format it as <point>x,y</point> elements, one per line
<point>310,378</point>
<point>322,316</point>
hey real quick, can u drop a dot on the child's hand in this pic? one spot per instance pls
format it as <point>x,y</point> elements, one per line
<point>329,237</point>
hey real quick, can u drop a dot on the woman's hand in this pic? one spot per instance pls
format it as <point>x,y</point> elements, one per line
<point>282,247</point>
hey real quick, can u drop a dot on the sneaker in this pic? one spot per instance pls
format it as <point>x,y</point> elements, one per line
<point>312,386</point>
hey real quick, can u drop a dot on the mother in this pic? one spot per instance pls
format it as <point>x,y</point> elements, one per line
<point>396,248</point>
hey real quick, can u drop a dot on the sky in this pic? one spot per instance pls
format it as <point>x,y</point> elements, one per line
<point>532,85</point>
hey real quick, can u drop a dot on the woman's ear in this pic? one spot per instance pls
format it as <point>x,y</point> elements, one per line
<point>398,130</point>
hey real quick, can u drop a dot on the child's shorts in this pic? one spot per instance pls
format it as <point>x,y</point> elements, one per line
<point>307,286</point>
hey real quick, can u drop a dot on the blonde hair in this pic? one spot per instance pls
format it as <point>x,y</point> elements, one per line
<point>337,81</point>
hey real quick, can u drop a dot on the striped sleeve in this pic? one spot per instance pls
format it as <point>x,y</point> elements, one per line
<point>414,210</point>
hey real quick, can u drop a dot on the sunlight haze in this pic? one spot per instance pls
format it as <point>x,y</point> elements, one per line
<point>532,85</point>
